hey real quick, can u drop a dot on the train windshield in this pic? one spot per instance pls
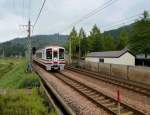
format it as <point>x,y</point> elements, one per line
<point>61,53</point>
<point>55,54</point>
<point>49,53</point>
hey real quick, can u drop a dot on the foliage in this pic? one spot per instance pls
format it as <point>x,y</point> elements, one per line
<point>18,46</point>
<point>108,43</point>
<point>83,42</point>
<point>123,39</point>
<point>17,102</point>
<point>96,39</point>
<point>17,77</point>
<point>139,41</point>
<point>73,38</point>
<point>15,96</point>
<point>10,49</point>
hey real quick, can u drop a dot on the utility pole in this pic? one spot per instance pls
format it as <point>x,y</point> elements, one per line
<point>29,68</point>
<point>79,48</point>
<point>57,42</point>
<point>3,55</point>
<point>29,47</point>
<point>58,37</point>
<point>70,52</point>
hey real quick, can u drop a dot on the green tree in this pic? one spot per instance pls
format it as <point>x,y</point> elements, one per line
<point>123,39</point>
<point>95,39</point>
<point>74,42</point>
<point>139,41</point>
<point>83,42</point>
<point>108,43</point>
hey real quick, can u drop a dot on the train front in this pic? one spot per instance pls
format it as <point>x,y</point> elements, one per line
<point>56,56</point>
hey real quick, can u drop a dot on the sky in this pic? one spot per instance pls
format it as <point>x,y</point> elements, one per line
<point>58,15</point>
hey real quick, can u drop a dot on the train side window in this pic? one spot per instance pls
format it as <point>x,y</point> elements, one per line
<point>61,53</point>
<point>49,53</point>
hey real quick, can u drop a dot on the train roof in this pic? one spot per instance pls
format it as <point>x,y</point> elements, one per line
<point>50,47</point>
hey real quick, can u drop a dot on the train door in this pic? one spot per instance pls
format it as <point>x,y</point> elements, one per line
<point>55,56</point>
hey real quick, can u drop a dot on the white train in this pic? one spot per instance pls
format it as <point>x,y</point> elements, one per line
<point>52,57</point>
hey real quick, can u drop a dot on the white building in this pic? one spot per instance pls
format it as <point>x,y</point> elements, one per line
<point>123,57</point>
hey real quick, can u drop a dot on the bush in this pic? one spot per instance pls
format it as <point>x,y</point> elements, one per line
<point>22,103</point>
<point>29,81</point>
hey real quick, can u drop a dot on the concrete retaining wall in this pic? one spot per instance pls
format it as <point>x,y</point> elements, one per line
<point>134,73</point>
<point>104,68</point>
<point>139,74</point>
<point>119,71</point>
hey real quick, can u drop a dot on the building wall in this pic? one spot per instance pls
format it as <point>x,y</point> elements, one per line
<point>91,59</point>
<point>126,59</point>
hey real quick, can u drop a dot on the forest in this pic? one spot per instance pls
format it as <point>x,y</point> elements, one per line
<point>135,38</point>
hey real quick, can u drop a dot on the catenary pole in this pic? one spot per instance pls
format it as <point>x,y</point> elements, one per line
<point>29,68</point>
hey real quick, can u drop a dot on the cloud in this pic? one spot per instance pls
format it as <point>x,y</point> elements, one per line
<point>58,14</point>
<point>10,26</point>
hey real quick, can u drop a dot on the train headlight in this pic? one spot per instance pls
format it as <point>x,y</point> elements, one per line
<point>55,49</point>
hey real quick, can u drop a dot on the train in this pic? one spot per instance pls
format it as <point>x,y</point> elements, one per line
<point>51,57</point>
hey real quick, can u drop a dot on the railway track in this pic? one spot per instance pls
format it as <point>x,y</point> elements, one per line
<point>109,104</point>
<point>137,87</point>
<point>53,97</point>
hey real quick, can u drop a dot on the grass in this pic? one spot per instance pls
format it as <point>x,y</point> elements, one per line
<point>21,103</point>
<point>19,94</point>
<point>14,75</point>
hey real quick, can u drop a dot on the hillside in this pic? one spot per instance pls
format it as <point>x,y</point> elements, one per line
<point>17,46</point>
<point>115,33</point>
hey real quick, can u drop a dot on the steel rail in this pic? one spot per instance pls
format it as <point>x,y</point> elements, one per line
<point>137,87</point>
<point>91,94</point>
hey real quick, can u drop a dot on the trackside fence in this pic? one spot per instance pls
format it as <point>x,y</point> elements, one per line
<point>134,73</point>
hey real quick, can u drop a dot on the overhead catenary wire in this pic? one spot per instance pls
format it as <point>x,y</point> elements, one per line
<point>93,12</point>
<point>29,9</point>
<point>120,25</point>
<point>23,8</point>
<point>122,21</point>
<point>38,15</point>
<point>126,21</point>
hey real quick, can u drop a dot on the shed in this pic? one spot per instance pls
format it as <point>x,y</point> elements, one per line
<point>141,60</point>
<point>123,57</point>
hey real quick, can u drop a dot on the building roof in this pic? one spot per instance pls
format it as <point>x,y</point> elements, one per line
<point>108,54</point>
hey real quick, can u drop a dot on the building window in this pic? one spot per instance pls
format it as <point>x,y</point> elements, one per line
<point>101,60</point>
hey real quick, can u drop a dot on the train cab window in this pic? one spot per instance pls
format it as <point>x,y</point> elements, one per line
<point>61,53</point>
<point>49,53</point>
<point>55,54</point>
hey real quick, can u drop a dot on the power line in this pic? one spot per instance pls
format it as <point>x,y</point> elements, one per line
<point>39,14</point>
<point>93,12</point>
<point>29,11</point>
<point>23,9</point>
<point>125,21</point>
<point>121,24</point>
<point>122,21</point>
